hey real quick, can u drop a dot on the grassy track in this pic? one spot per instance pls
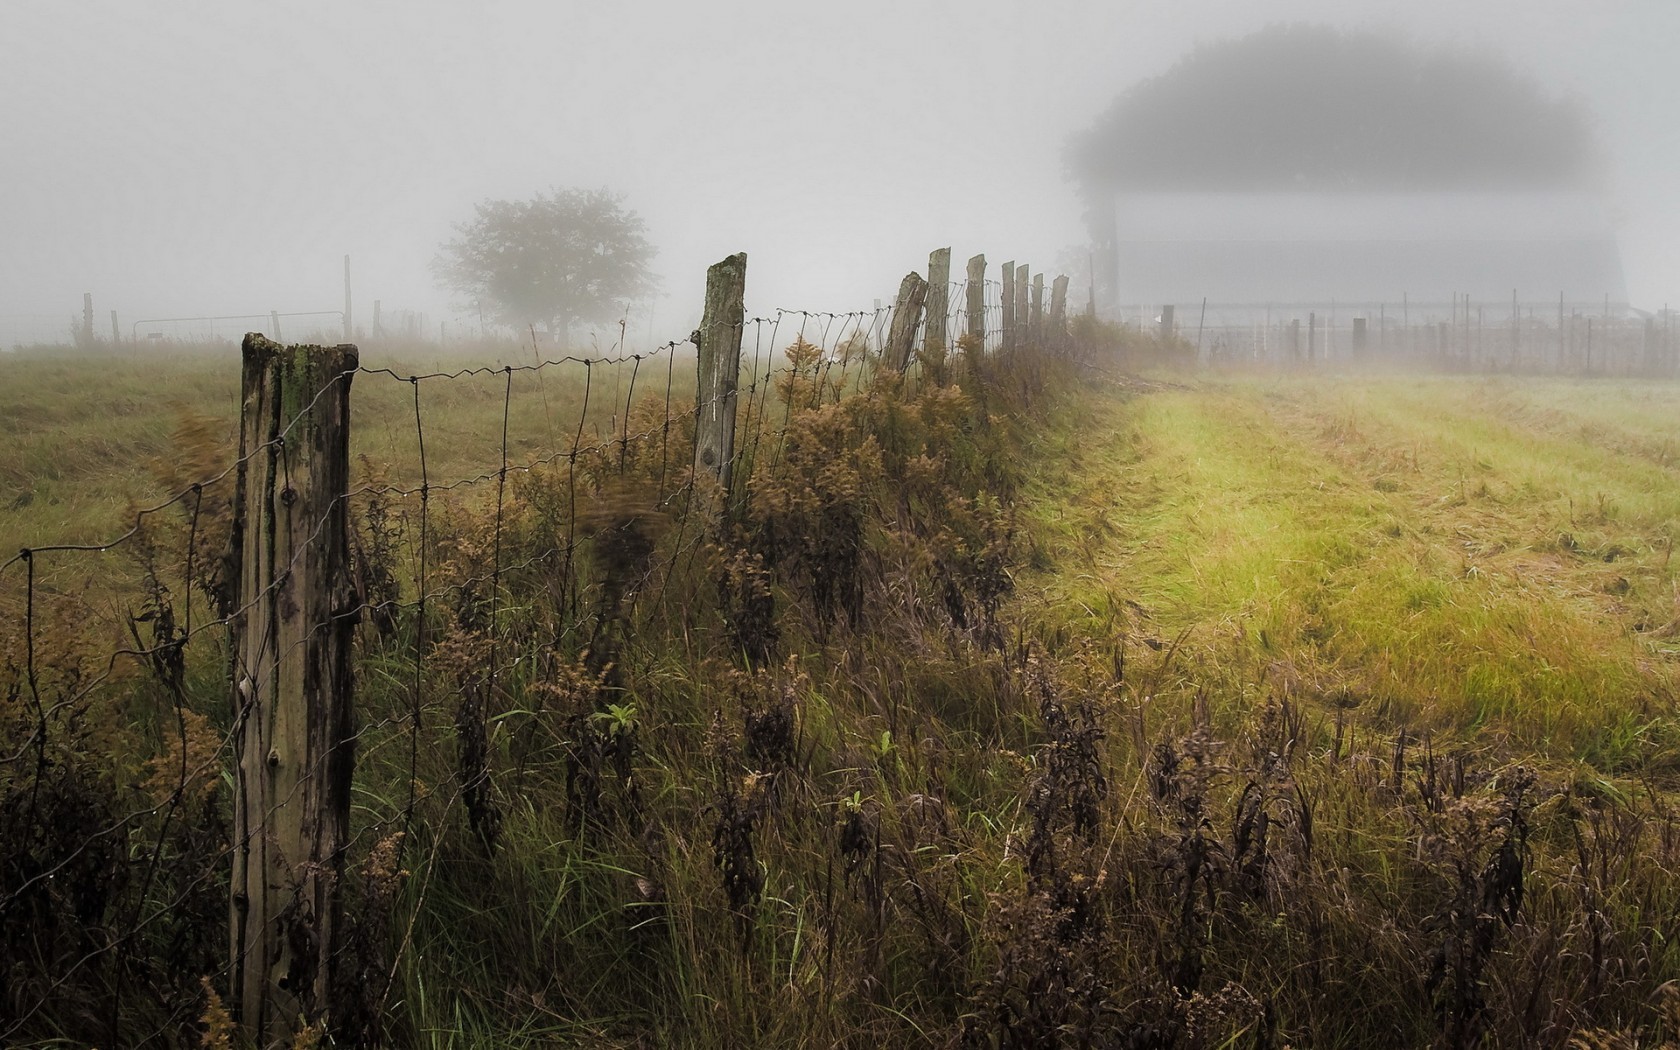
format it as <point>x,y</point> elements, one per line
<point>1453,554</point>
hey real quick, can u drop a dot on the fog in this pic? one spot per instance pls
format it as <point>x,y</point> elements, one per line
<point>222,158</point>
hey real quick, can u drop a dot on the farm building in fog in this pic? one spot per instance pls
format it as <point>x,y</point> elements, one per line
<point>1303,165</point>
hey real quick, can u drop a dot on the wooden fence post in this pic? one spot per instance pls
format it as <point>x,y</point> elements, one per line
<point>1166,331</point>
<point>1007,332</point>
<point>87,318</point>
<point>116,333</point>
<point>1035,327</point>
<point>906,318</point>
<point>293,744</point>
<point>1058,309</point>
<point>977,298</point>
<point>938,298</point>
<point>1021,309</point>
<point>718,340</point>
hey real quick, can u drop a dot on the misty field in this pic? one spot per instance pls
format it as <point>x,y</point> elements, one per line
<point>1033,702</point>
<point>1468,552</point>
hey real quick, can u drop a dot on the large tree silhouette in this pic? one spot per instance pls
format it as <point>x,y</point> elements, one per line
<point>1312,108</point>
<point>560,258</point>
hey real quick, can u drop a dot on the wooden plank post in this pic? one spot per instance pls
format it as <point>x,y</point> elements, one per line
<point>87,318</point>
<point>977,298</point>
<point>718,340</point>
<point>1058,310</point>
<point>116,333</point>
<point>1166,332</point>
<point>906,318</point>
<point>1021,308</point>
<point>1035,328</point>
<point>938,299</point>
<point>293,742</point>
<point>1007,332</point>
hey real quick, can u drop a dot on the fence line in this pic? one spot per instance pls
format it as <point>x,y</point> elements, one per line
<point>60,689</point>
<point>1557,336</point>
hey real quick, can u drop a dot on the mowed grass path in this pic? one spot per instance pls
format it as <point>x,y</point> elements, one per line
<point>1488,559</point>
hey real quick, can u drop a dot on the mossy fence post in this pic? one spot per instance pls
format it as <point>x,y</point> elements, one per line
<point>1022,292</point>
<point>718,342</point>
<point>906,319</point>
<point>1058,310</point>
<point>977,298</point>
<point>292,685</point>
<point>1035,327</point>
<point>1007,330</point>
<point>938,298</point>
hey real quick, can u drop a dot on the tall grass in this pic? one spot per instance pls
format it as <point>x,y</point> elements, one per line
<point>1023,703</point>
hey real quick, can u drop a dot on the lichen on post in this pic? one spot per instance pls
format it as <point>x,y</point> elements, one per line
<point>718,342</point>
<point>292,685</point>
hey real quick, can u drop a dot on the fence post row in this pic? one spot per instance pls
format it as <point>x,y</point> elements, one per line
<point>906,318</point>
<point>292,684</point>
<point>718,342</point>
<point>938,298</point>
<point>977,298</point>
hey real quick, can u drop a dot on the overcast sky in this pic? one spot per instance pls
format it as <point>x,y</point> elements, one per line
<point>222,158</point>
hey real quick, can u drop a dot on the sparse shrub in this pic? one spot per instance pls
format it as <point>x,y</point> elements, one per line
<point>748,607</point>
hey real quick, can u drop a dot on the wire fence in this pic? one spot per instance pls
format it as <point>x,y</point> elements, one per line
<point>123,857</point>
<point>1556,337</point>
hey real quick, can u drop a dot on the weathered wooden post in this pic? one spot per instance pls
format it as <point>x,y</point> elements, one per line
<point>1166,332</point>
<point>1360,332</point>
<point>1058,310</point>
<point>718,340</point>
<point>1312,337</point>
<point>116,333</point>
<point>1021,308</point>
<point>1007,333</point>
<point>87,318</point>
<point>293,744</point>
<point>938,298</point>
<point>977,298</point>
<point>1035,328</point>
<point>906,318</point>
<point>274,323</point>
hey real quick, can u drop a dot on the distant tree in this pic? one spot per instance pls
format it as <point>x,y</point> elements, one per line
<point>557,259</point>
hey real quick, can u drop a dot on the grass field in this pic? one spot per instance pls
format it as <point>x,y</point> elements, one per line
<point>1472,555</point>
<point>86,435</point>
<point>1175,710</point>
